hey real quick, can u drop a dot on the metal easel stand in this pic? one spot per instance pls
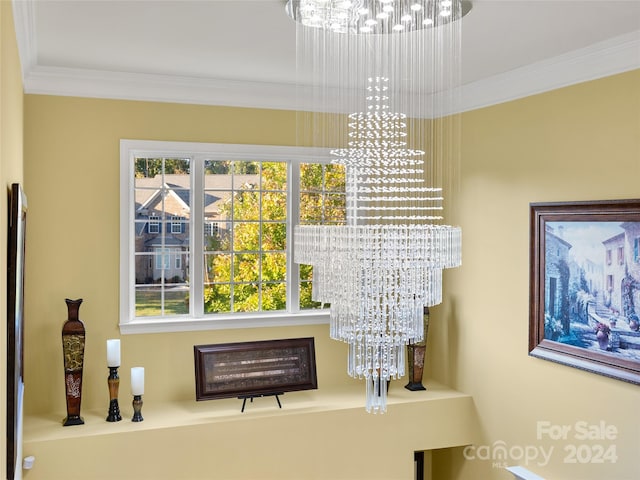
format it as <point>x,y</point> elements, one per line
<point>258,395</point>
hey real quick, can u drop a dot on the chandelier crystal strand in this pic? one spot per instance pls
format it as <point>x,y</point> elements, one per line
<point>376,77</point>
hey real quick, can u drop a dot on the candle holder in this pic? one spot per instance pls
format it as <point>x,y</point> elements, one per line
<point>137,407</point>
<point>114,384</point>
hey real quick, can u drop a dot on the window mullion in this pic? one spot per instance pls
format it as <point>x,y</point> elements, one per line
<point>232,233</point>
<point>163,233</point>
<point>127,239</point>
<point>293,218</point>
<point>196,240</point>
<point>260,228</point>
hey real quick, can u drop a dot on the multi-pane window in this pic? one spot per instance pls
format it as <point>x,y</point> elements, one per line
<point>154,224</point>
<point>322,201</point>
<point>246,260</point>
<point>176,224</point>
<point>161,191</point>
<point>219,228</point>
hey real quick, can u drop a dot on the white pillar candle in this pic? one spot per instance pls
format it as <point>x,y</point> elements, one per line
<point>137,380</point>
<point>113,353</point>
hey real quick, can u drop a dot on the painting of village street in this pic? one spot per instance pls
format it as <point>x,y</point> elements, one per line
<point>592,286</point>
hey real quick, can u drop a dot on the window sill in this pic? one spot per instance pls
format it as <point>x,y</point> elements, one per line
<point>275,319</point>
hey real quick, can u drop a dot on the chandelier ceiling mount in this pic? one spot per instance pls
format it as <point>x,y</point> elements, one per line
<point>373,16</point>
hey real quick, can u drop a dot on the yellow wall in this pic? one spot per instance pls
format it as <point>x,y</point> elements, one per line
<point>72,180</point>
<point>10,166</point>
<point>72,176</point>
<point>577,143</point>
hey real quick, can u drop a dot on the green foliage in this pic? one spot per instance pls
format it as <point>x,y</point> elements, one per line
<point>257,215</point>
<point>322,198</point>
<point>150,167</point>
<point>305,296</point>
<point>217,298</point>
<point>226,167</point>
<point>274,296</point>
<point>212,168</point>
<point>274,176</point>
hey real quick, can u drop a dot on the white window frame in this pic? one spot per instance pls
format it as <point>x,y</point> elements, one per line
<point>176,225</point>
<point>154,221</point>
<point>197,320</point>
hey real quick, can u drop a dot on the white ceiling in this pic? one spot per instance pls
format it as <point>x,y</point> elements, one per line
<point>242,52</point>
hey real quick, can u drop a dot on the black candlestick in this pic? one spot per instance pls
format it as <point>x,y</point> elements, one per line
<point>137,407</point>
<point>114,383</point>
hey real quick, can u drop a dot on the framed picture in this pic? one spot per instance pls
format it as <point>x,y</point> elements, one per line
<point>247,369</point>
<point>15,328</point>
<point>585,286</point>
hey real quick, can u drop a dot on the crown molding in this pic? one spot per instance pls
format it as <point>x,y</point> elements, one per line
<point>610,57</point>
<point>158,88</point>
<point>24,19</point>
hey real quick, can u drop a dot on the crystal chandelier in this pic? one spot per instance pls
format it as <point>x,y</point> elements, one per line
<point>380,92</point>
<point>381,16</point>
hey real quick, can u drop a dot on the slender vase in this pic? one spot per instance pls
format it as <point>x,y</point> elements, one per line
<point>73,335</point>
<point>415,354</point>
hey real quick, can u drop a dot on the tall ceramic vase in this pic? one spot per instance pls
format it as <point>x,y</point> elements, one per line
<point>73,334</point>
<point>415,357</point>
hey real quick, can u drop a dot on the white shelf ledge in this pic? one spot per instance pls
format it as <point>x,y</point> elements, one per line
<point>326,430</point>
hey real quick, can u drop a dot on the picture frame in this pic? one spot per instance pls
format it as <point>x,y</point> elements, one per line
<point>585,286</point>
<point>17,216</point>
<point>253,369</point>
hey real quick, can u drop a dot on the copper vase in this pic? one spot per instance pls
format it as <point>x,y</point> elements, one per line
<point>415,357</point>
<point>73,335</point>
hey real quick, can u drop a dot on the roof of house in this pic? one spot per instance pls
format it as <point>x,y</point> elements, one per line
<point>217,189</point>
